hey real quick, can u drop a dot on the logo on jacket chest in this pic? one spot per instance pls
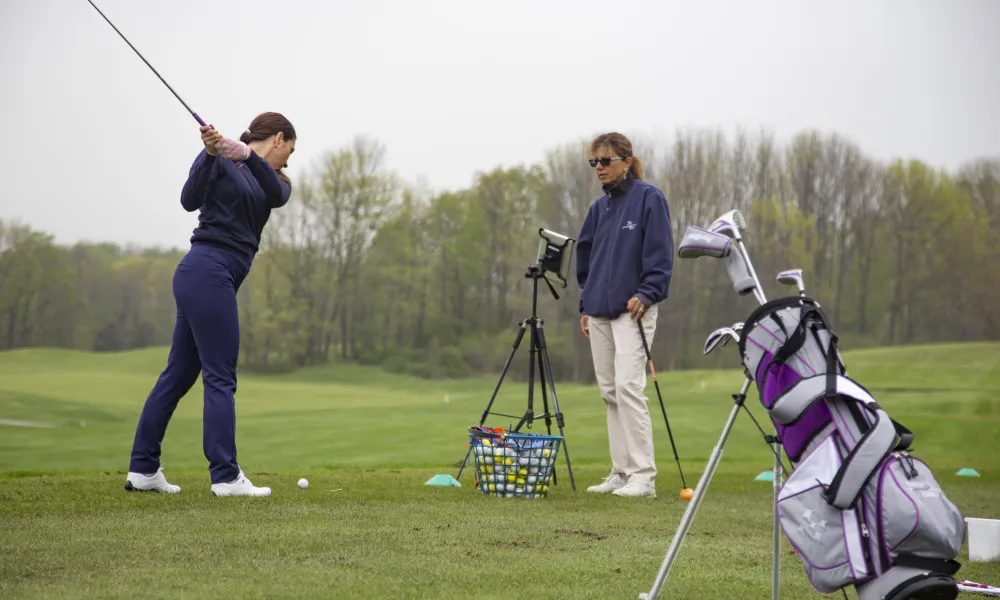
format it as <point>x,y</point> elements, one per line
<point>629,225</point>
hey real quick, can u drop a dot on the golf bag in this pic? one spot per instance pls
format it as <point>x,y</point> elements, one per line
<point>858,507</point>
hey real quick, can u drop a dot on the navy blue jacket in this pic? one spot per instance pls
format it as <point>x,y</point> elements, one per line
<point>235,199</point>
<point>625,248</point>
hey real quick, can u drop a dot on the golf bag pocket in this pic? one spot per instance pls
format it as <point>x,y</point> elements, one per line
<point>831,543</point>
<point>915,518</point>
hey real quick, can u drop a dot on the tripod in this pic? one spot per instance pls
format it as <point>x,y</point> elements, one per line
<point>774,442</point>
<point>534,324</point>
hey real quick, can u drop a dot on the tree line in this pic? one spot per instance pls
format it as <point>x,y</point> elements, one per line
<point>361,267</point>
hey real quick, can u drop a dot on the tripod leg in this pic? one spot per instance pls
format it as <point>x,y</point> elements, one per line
<point>699,495</point>
<point>545,399</point>
<point>503,373</point>
<point>529,415</point>
<point>547,368</point>
<point>465,461</point>
<point>776,553</point>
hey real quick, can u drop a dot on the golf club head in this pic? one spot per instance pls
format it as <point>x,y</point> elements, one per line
<point>729,224</point>
<point>721,335</point>
<point>792,277</point>
<point>701,242</point>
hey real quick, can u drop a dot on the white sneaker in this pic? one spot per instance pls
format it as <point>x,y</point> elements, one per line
<point>157,482</point>
<point>240,487</point>
<point>610,484</point>
<point>634,489</point>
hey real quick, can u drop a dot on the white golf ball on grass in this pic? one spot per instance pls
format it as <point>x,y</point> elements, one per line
<point>303,483</point>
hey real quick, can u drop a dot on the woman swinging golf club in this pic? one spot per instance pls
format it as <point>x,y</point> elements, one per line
<point>624,263</point>
<point>235,185</point>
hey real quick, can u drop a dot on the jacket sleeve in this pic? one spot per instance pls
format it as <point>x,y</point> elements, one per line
<point>277,191</point>
<point>584,244</point>
<point>657,250</point>
<point>200,177</point>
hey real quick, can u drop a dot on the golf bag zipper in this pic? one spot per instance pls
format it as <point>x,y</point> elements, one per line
<point>865,546</point>
<point>866,549</point>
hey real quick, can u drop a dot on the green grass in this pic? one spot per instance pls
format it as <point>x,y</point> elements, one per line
<point>367,527</point>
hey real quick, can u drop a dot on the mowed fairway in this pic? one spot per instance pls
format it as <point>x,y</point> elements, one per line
<point>367,527</point>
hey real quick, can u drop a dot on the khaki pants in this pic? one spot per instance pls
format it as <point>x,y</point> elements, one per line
<point>620,367</point>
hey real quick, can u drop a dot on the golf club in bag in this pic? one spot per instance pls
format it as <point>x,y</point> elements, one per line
<point>859,509</point>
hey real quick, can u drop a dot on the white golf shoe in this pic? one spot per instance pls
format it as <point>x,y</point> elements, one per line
<point>635,489</point>
<point>240,487</point>
<point>157,482</point>
<point>611,483</point>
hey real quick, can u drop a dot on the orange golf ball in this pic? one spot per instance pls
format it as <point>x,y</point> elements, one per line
<point>687,494</point>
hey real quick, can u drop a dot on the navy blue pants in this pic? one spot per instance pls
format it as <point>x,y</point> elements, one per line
<point>206,341</point>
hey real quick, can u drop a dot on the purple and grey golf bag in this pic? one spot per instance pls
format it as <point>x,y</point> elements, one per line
<point>859,508</point>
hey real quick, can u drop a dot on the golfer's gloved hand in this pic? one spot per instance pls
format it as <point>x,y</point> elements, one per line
<point>232,149</point>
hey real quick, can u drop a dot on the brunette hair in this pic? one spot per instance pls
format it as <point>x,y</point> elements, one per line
<point>264,126</point>
<point>622,147</point>
<point>267,124</point>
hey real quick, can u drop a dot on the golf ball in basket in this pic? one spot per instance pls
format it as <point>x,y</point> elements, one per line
<point>303,483</point>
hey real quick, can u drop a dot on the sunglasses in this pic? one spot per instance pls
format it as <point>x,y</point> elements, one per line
<point>604,161</point>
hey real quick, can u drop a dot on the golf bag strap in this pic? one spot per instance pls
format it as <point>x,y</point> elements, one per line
<point>797,339</point>
<point>764,310</point>
<point>867,454</point>
<point>936,565</point>
<point>906,436</point>
<point>859,466</point>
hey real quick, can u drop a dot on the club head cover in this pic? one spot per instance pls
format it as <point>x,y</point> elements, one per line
<point>232,150</point>
<point>701,242</point>
<point>743,283</point>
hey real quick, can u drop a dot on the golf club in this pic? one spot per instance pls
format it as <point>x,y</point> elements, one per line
<point>723,335</point>
<point>193,114</point>
<point>652,371</point>
<point>792,277</point>
<point>730,225</point>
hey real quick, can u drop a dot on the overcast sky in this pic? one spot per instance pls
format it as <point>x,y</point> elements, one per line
<point>96,148</point>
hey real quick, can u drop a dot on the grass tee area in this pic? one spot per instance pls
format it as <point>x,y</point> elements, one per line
<point>367,527</point>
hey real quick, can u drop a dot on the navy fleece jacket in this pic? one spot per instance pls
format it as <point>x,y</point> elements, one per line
<point>235,198</point>
<point>625,248</point>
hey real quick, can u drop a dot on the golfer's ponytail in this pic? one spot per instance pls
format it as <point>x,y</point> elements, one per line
<point>636,167</point>
<point>267,124</point>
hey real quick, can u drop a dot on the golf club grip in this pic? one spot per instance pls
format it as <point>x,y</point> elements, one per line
<point>197,118</point>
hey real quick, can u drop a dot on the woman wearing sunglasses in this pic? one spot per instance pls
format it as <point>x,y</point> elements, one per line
<point>625,256</point>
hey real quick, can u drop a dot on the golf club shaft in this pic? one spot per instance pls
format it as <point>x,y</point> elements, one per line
<point>649,359</point>
<point>194,114</point>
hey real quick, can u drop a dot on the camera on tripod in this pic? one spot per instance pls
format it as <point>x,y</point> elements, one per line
<point>555,251</point>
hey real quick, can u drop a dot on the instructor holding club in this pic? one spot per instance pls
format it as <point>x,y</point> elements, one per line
<point>624,263</point>
<point>235,186</point>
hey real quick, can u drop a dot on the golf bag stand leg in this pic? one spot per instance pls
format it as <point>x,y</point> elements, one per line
<point>776,551</point>
<point>699,496</point>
